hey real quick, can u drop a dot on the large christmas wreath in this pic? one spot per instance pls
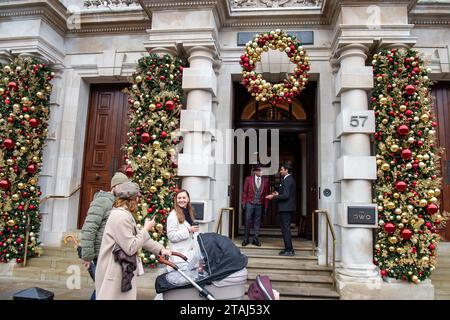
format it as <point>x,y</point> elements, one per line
<point>408,185</point>
<point>155,100</point>
<point>283,91</point>
<point>24,112</point>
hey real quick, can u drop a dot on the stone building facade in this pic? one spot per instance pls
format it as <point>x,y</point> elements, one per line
<point>95,44</point>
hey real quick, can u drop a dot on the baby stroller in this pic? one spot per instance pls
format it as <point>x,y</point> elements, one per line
<point>217,271</point>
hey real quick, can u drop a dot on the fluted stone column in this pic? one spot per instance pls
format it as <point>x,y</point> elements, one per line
<point>197,121</point>
<point>356,169</point>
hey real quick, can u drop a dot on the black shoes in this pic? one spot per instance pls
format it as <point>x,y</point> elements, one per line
<point>287,253</point>
<point>245,242</point>
<point>256,242</point>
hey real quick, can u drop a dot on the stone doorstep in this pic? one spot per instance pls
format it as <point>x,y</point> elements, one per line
<point>310,292</point>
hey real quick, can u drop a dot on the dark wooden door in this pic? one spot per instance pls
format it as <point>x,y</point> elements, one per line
<point>105,134</point>
<point>441,93</point>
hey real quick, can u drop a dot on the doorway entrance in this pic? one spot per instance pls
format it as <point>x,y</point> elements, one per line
<point>106,132</point>
<point>297,146</point>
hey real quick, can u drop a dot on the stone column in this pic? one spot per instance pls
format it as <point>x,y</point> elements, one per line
<point>196,123</point>
<point>356,170</point>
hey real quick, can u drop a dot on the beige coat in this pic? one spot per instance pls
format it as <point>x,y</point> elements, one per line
<point>181,240</point>
<point>121,229</point>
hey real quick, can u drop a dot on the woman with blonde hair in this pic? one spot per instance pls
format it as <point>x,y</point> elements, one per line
<point>118,261</point>
<point>181,228</point>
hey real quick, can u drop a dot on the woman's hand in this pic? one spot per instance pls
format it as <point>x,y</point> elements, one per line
<point>166,252</point>
<point>193,229</point>
<point>86,264</point>
<point>149,224</point>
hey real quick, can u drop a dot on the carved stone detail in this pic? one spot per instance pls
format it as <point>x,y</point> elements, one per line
<point>274,4</point>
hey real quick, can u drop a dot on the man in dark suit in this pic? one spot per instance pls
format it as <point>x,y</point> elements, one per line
<point>254,202</point>
<point>286,201</point>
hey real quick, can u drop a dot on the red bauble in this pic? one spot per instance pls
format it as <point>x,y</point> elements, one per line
<point>145,137</point>
<point>8,144</point>
<point>19,240</point>
<point>163,134</point>
<point>406,234</point>
<point>400,186</point>
<point>406,154</point>
<point>129,172</point>
<point>431,247</point>
<point>432,208</point>
<point>383,273</point>
<point>389,227</point>
<point>170,105</point>
<point>12,85</point>
<point>32,168</point>
<point>410,89</point>
<point>403,130</point>
<point>5,184</point>
<point>34,123</point>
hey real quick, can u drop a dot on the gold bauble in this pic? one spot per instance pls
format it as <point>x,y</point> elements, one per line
<point>384,121</point>
<point>159,227</point>
<point>431,193</point>
<point>379,162</point>
<point>10,162</point>
<point>2,91</point>
<point>402,108</point>
<point>26,117</point>
<point>399,250</point>
<point>152,107</point>
<point>40,95</point>
<point>434,200</point>
<point>138,79</point>
<point>394,148</point>
<point>391,205</point>
<point>391,249</point>
<point>20,185</point>
<point>136,104</point>
<point>32,189</point>
<point>396,195</point>
<point>130,150</point>
<point>25,100</point>
<point>398,211</point>
<point>425,259</point>
<point>153,189</point>
<point>172,151</point>
<point>393,240</point>
<point>7,69</point>
<point>11,223</point>
<point>156,145</point>
<point>23,149</point>
<point>401,225</point>
<point>385,166</point>
<point>167,175</point>
<point>437,192</point>
<point>425,117</point>
<point>155,235</point>
<point>159,182</point>
<point>414,278</point>
<point>423,203</point>
<point>159,162</point>
<point>15,197</point>
<point>33,181</point>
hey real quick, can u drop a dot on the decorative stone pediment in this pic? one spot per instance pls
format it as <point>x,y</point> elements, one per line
<point>239,5</point>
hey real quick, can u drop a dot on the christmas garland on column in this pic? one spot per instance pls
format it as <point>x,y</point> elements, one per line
<point>24,112</point>
<point>408,186</point>
<point>155,100</point>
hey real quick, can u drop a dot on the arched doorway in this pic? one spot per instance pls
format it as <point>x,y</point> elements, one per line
<point>297,144</point>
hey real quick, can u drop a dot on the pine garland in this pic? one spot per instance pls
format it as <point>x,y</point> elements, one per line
<point>24,112</point>
<point>409,182</point>
<point>155,100</point>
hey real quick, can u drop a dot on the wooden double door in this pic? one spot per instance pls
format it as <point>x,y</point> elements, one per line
<point>106,133</point>
<point>441,94</point>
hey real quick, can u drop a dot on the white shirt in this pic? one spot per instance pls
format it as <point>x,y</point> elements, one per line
<point>286,176</point>
<point>256,180</point>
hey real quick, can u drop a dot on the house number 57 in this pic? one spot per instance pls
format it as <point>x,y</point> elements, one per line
<point>356,121</point>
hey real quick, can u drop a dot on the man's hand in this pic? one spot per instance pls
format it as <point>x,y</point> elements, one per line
<point>86,264</point>
<point>270,196</point>
<point>275,193</point>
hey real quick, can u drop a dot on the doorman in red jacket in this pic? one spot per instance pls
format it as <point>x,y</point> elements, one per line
<point>254,202</point>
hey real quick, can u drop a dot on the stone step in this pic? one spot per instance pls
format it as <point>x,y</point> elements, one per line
<point>53,262</point>
<point>271,248</point>
<point>299,293</point>
<point>295,280</point>
<point>285,264</point>
<point>299,255</point>
<point>64,252</point>
<point>299,271</point>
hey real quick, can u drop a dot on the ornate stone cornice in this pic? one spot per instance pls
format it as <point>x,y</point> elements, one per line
<point>51,11</point>
<point>247,5</point>
<point>430,14</point>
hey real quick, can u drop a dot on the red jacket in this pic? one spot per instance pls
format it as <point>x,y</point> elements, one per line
<point>249,190</point>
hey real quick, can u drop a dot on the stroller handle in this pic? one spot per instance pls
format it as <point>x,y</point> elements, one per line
<point>178,254</point>
<point>162,260</point>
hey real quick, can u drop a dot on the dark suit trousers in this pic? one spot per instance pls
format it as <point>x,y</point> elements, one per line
<point>285,222</point>
<point>253,214</point>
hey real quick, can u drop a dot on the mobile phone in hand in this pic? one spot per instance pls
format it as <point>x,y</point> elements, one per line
<point>195,223</point>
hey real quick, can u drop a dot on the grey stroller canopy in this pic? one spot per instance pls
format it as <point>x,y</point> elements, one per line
<point>216,258</point>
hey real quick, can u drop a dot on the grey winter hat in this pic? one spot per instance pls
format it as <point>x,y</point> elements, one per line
<point>127,190</point>
<point>118,178</point>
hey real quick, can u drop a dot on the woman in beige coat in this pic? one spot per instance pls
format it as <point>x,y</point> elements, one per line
<point>121,229</point>
<point>180,230</point>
